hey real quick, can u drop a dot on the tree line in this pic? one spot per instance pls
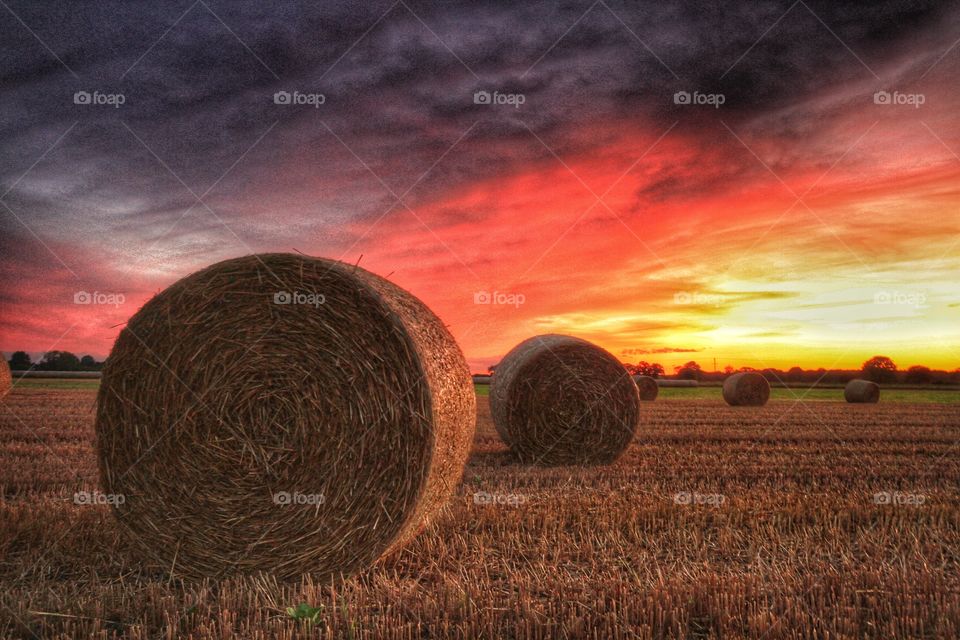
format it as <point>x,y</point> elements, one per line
<point>54,361</point>
<point>880,369</point>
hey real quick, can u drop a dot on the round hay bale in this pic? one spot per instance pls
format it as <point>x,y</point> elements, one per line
<point>284,414</point>
<point>647,387</point>
<point>6,380</point>
<point>746,389</point>
<point>862,391</point>
<point>562,400</point>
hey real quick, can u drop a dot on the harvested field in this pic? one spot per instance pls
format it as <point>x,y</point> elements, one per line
<point>811,519</point>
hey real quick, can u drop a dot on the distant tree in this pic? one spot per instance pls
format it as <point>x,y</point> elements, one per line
<point>747,369</point>
<point>880,369</point>
<point>918,374</point>
<point>20,361</point>
<point>728,369</point>
<point>653,370</point>
<point>795,374</point>
<point>59,361</point>
<point>88,363</point>
<point>689,371</point>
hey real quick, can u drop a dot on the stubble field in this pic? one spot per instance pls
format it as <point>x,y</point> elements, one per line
<point>796,520</point>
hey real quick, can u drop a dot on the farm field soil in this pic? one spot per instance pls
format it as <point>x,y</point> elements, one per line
<point>794,520</point>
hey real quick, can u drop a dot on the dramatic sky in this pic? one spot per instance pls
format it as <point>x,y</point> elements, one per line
<point>794,216</point>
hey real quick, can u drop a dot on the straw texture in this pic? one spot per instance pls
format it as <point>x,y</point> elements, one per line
<point>862,391</point>
<point>647,387</point>
<point>6,381</point>
<point>746,389</point>
<point>562,400</point>
<point>311,432</point>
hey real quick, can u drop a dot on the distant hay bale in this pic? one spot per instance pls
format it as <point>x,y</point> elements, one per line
<point>6,381</point>
<point>678,384</point>
<point>862,391</point>
<point>647,387</point>
<point>284,414</point>
<point>562,400</point>
<point>746,389</point>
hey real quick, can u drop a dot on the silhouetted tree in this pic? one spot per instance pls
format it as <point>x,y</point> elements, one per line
<point>689,371</point>
<point>918,374</point>
<point>653,370</point>
<point>880,369</point>
<point>59,361</point>
<point>20,361</point>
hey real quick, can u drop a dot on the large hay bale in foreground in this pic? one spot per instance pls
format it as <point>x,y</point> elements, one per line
<point>647,387</point>
<point>862,391</point>
<point>6,380</point>
<point>562,400</point>
<point>746,389</point>
<point>284,414</point>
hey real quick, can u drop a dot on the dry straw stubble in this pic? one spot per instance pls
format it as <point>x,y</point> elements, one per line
<point>562,400</point>
<point>284,414</point>
<point>862,391</point>
<point>746,389</point>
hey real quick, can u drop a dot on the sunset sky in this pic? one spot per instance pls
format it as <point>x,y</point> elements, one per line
<point>807,220</point>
